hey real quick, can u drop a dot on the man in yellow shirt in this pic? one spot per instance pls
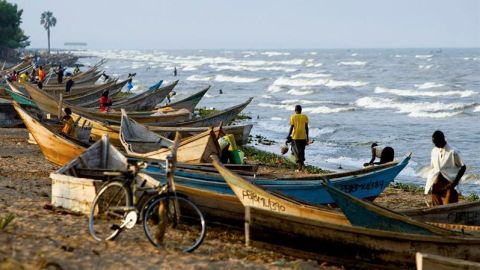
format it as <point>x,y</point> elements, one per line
<point>299,134</point>
<point>23,78</point>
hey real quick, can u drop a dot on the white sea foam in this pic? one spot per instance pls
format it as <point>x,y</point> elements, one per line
<point>275,88</point>
<point>316,132</point>
<point>477,108</point>
<point>277,118</point>
<point>352,63</point>
<point>414,109</point>
<point>189,68</point>
<point>428,85</point>
<point>252,68</point>
<point>235,79</point>
<point>398,56</point>
<point>423,56</point>
<point>266,96</point>
<point>324,109</point>
<point>345,162</point>
<point>414,93</point>
<point>425,66</point>
<point>313,53</point>
<point>199,78</point>
<point>298,82</point>
<point>275,106</point>
<point>310,75</point>
<point>270,54</point>
<point>354,54</point>
<point>297,92</point>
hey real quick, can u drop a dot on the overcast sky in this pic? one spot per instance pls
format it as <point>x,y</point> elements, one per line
<point>255,24</point>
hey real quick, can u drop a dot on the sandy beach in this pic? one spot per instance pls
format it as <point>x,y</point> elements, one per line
<point>40,237</point>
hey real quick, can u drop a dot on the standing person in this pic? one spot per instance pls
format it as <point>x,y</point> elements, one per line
<point>59,74</point>
<point>68,122</point>
<point>41,74</point>
<point>129,85</point>
<point>33,76</point>
<point>105,102</point>
<point>447,168</point>
<point>385,155</point>
<point>299,134</point>
<point>69,84</point>
<point>175,71</point>
<point>13,77</point>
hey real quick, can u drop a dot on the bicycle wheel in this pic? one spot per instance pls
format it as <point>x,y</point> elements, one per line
<point>108,211</point>
<point>177,228</point>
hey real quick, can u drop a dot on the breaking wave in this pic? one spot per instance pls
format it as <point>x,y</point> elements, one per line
<point>352,63</point>
<point>414,93</point>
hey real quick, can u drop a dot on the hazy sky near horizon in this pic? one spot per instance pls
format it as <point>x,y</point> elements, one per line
<point>250,24</point>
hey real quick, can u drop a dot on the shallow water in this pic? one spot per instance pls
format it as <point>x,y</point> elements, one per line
<point>396,97</point>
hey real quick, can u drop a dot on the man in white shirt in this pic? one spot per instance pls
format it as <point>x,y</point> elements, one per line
<point>447,168</point>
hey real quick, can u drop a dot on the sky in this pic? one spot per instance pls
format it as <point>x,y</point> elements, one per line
<point>255,24</point>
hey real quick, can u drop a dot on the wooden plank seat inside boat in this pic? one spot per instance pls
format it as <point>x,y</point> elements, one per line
<point>97,173</point>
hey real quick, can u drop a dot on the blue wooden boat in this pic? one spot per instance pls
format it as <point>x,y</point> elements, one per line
<point>369,215</point>
<point>367,183</point>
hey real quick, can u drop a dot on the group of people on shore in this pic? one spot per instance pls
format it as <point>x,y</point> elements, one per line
<point>446,165</point>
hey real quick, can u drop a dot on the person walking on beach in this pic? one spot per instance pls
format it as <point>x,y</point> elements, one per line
<point>175,71</point>
<point>446,170</point>
<point>385,155</point>
<point>299,135</point>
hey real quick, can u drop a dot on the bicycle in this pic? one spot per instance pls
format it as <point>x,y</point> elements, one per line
<point>170,220</point>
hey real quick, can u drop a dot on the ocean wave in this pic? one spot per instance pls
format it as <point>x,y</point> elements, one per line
<point>414,93</point>
<point>266,96</point>
<point>270,54</point>
<point>314,65</point>
<point>310,75</point>
<point>275,88</point>
<point>316,132</point>
<point>425,66</point>
<point>251,68</point>
<point>313,53</point>
<point>311,110</point>
<point>324,109</point>
<point>236,79</point>
<point>423,56</point>
<point>477,108</point>
<point>352,63</point>
<point>199,78</point>
<point>414,109</point>
<point>297,82</point>
<point>189,68</point>
<point>277,118</point>
<point>354,54</point>
<point>296,92</point>
<point>428,85</point>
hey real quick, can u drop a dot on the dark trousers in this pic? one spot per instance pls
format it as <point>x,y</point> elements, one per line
<point>441,196</point>
<point>299,150</point>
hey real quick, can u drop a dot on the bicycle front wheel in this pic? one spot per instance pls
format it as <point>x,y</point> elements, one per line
<point>174,223</point>
<point>108,211</point>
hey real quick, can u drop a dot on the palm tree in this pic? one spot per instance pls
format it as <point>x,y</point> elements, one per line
<point>48,21</point>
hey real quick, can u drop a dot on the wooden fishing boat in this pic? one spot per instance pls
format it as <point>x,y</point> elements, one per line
<point>368,215</point>
<point>77,89</point>
<point>93,97</point>
<point>145,101</point>
<point>140,142</point>
<point>224,116</point>
<point>51,105</point>
<point>8,115</point>
<point>56,147</point>
<point>271,223</point>
<point>367,183</point>
<point>188,103</point>
<point>436,262</point>
<point>465,213</point>
<point>75,185</point>
<point>20,98</point>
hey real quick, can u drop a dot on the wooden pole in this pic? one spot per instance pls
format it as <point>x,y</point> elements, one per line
<point>60,103</point>
<point>247,226</point>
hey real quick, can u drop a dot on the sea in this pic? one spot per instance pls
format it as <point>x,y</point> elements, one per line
<point>353,97</point>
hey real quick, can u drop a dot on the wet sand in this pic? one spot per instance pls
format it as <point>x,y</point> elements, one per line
<point>43,238</point>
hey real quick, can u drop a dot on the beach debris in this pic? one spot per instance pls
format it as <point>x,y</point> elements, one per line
<point>5,220</point>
